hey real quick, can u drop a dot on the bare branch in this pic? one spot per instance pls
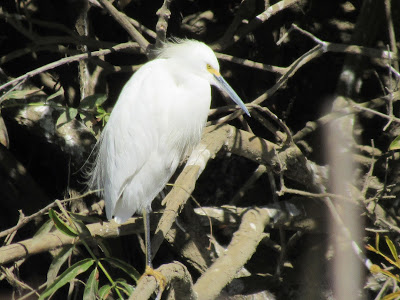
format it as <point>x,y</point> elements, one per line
<point>122,19</point>
<point>67,60</point>
<point>225,268</point>
<point>227,41</point>
<point>162,25</point>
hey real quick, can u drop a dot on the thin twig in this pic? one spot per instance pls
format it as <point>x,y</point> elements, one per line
<point>392,118</point>
<point>227,41</point>
<point>369,174</point>
<point>281,124</point>
<point>123,20</point>
<point>286,190</point>
<point>346,48</point>
<point>251,64</point>
<point>392,35</point>
<point>395,72</point>
<point>162,24</point>
<point>42,211</point>
<point>311,126</point>
<point>261,169</point>
<point>67,60</point>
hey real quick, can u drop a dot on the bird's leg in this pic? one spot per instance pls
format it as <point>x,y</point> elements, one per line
<point>160,278</point>
<point>146,221</point>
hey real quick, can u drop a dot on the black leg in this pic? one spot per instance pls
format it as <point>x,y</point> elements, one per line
<point>160,278</point>
<point>146,221</point>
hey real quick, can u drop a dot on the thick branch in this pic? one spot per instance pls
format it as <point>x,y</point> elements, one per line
<point>240,250</point>
<point>57,239</point>
<point>238,142</point>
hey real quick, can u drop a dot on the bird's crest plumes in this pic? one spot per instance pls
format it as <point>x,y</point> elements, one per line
<point>175,47</point>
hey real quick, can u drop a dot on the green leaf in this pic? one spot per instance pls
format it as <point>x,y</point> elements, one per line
<point>395,145</point>
<point>127,268</point>
<point>88,119</point>
<point>102,115</point>
<point>55,95</point>
<point>85,116</point>
<point>84,232</point>
<point>104,291</point>
<point>392,296</point>
<point>57,263</point>
<point>61,225</point>
<point>377,241</point>
<point>84,218</point>
<point>67,276</point>
<point>392,249</point>
<point>67,116</point>
<point>101,110</point>
<point>103,245</point>
<point>127,288</point>
<point>45,228</point>
<point>92,285</point>
<point>22,94</point>
<point>92,101</point>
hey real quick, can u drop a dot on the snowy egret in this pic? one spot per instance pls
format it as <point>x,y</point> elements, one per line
<point>157,120</point>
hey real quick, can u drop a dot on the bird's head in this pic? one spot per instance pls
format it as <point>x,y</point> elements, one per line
<point>201,60</point>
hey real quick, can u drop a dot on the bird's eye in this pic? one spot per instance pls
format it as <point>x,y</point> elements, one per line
<point>209,67</point>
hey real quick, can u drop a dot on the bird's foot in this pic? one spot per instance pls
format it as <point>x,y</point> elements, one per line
<point>160,279</point>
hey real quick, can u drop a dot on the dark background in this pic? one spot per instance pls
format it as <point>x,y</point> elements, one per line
<point>37,165</point>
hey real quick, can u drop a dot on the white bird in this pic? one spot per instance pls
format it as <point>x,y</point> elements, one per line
<point>157,121</point>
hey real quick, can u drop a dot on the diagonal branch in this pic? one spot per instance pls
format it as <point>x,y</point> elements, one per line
<point>243,245</point>
<point>260,19</point>
<point>123,20</point>
<point>67,60</point>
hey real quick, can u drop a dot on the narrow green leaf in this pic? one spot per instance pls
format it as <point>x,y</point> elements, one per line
<point>370,248</point>
<point>103,245</point>
<point>67,116</point>
<point>395,145</point>
<point>88,119</point>
<point>57,263</point>
<point>390,274</point>
<point>127,268</point>
<point>84,218</point>
<point>67,276</point>
<point>45,228</point>
<point>102,116</point>
<point>92,285</point>
<point>21,94</point>
<point>84,232</point>
<point>55,95</point>
<point>104,291</point>
<point>392,296</point>
<point>392,249</point>
<point>100,110</point>
<point>61,225</point>
<point>127,288</point>
<point>90,102</point>
<point>377,241</point>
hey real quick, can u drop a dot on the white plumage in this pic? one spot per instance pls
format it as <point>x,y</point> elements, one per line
<point>156,122</point>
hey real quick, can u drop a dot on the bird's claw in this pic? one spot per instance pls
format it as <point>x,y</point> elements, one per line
<point>160,278</point>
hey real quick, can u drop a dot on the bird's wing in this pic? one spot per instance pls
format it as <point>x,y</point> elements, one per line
<point>133,163</point>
